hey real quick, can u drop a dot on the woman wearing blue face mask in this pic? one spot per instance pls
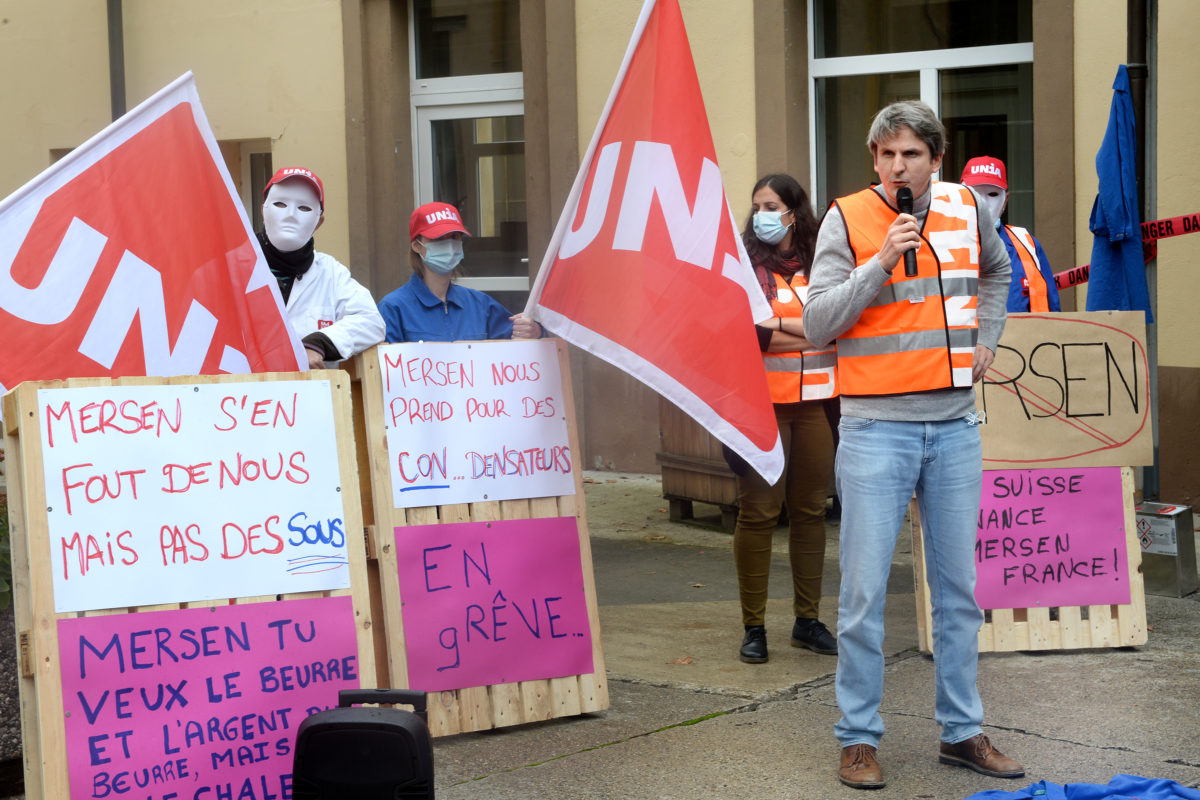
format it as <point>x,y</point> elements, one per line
<point>431,307</point>
<point>780,236</point>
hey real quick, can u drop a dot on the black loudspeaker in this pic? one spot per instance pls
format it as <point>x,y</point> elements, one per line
<point>359,753</point>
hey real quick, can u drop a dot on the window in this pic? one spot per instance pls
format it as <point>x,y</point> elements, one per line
<point>971,60</point>
<point>256,171</point>
<point>469,134</point>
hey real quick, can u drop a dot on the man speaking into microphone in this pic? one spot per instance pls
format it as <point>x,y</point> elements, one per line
<point>910,348</point>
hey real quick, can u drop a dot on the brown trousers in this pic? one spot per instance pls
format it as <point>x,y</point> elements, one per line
<point>804,429</point>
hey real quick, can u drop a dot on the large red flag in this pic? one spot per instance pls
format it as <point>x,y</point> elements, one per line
<point>133,256</point>
<point>646,268</point>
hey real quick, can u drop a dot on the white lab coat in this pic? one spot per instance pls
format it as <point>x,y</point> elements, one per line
<point>326,298</point>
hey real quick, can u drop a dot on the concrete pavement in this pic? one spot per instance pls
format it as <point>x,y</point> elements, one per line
<point>689,720</point>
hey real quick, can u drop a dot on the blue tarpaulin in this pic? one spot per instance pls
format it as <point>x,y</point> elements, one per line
<point>1117,281</point>
<point>1121,787</point>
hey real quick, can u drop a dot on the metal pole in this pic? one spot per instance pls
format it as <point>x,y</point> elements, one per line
<point>116,58</point>
<point>1136,47</point>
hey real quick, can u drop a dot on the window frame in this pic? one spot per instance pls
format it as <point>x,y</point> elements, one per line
<point>927,63</point>
<point>500,94</point>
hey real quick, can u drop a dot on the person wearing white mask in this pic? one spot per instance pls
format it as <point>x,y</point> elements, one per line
<point>431,307</point>
<point>1033,287</point>
<point>779,238</point>
<point>333,314</point>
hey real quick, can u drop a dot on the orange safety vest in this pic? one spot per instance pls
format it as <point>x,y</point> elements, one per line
<point>919,333</point>
<point>1035,280</point>
<point>798,375</point>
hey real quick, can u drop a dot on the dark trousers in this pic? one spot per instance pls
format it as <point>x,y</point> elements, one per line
<point>804,486</point>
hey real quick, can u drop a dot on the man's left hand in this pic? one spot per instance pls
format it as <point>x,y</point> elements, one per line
<point>983,360</point>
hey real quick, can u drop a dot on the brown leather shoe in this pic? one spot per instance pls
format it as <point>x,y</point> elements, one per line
<point>859,768</point>
<point>978,754</point>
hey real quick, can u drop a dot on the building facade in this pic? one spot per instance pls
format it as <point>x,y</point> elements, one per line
<point>489,104</point>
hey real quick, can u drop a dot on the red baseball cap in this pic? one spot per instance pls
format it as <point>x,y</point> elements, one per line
<point>985,169</point>
<point>435,220</point>
<point>284,173</point>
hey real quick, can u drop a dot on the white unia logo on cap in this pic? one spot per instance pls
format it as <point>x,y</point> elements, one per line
<point>438,216</point>
<point>990,169</point>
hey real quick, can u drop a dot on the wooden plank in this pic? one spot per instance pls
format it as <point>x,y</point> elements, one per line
<point>359,591</point>
<point>1070,623</point>
<point>593,687</point>
<point>376,484</point>
<point>1131,619</point>
<point>1040,629</point>
<point>33,593</point>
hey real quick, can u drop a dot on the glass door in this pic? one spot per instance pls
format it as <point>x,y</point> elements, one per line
<point>473,156</point>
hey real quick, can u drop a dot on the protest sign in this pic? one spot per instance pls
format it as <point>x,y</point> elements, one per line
<point>159,494</point>
<point>133,256</point>
<point>200,702</point>
<point>423,555</point>
<point>1051,537</point>
<point>646,268</point>
<point>492,602</point>
<point>1068,389</point>
<point>156,503</point>
<point>1047,574</point>
<point>1058,562</point>
<point>467,421</point>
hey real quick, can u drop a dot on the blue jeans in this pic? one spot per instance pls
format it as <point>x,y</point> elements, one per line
<point>879,465</point>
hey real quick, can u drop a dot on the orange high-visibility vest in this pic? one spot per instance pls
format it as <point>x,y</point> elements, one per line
<point>1035,280</point>
<point>919,333</point>
<point>799,375</point>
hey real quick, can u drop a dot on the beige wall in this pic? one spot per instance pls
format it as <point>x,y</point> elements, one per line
<point>1099,50</point>
<point>263,70</point>
<point>723,46</point>
<point>54,59</point>
<point>1100,46</point>
<point>1177,134</point>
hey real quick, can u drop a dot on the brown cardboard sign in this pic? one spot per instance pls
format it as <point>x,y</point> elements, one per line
<point>1068,389</point>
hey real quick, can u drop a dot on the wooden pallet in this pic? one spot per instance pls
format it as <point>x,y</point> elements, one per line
<point>41,674</point>
<point>1043,628</point>
<point>693,469</point>
<point>481,707</point>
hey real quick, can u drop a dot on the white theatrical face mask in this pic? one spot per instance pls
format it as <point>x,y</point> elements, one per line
<point>291,214</point>
<point>995,197</point>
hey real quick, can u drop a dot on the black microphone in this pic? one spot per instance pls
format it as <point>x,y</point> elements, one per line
<point>904,201</point>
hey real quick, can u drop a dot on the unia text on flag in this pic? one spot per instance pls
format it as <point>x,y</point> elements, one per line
<point>133,256</point>
<point>646,268</point>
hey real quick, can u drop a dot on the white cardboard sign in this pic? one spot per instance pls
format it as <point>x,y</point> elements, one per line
<point>176,493</point>
<point>473,421</point>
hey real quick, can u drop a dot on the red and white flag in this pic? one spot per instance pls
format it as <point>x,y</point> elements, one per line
<point>646,268</point>
<point>133,256</point>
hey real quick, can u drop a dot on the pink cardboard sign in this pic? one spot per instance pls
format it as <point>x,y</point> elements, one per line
<point>493,602</point>
<point>199,703</point>
<point>1051,537</point>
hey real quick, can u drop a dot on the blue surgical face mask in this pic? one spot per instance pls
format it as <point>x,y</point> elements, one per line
<point>443,255</point>
<point>769,227</point>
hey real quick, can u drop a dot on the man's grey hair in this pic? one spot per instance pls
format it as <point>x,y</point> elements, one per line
<point>914,115</point>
